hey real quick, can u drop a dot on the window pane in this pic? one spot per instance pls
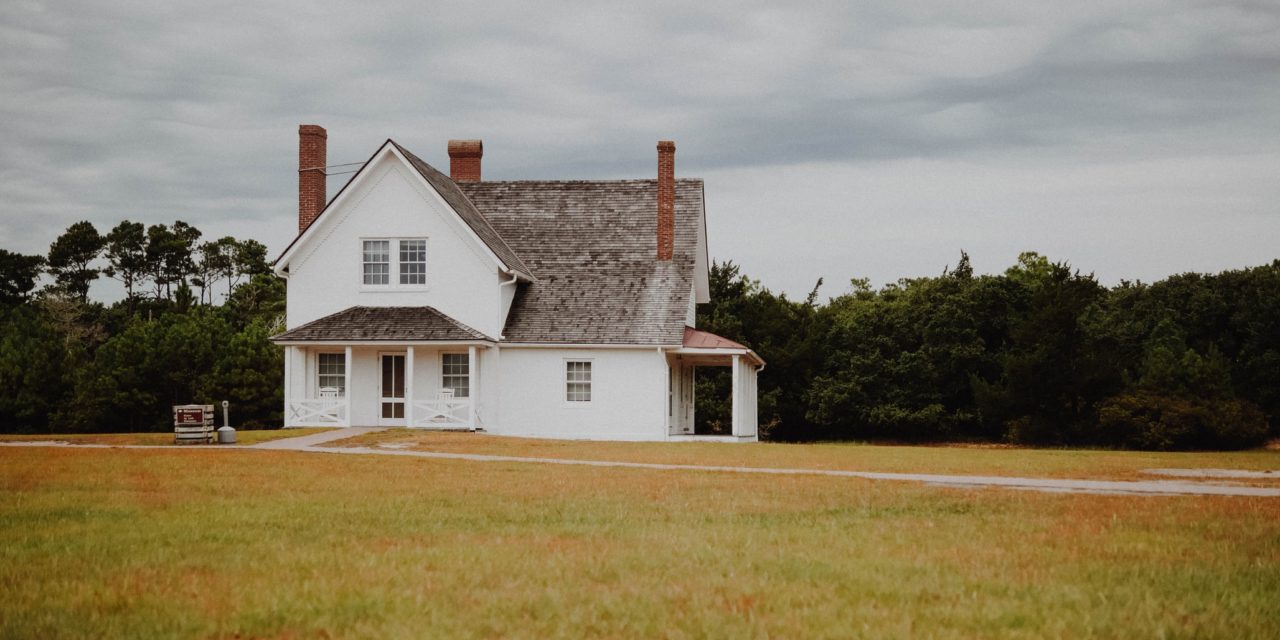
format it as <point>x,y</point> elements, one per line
<point>413,262</point>
<point>456,374</point>
<point>377,261</point>
<point>331,369</point>
<point>578,381</point>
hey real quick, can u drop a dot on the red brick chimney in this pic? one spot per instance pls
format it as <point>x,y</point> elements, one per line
<point>464,160</point>
<point>312,157</point>
<point>666,199</point>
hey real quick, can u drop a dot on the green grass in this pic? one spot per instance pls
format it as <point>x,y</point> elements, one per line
<point>147,543</point>
<point>1045,463</point>
<point>243,437</point>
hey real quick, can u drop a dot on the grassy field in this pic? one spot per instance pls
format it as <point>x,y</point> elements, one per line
<point>147,543</point>
<point>1041,463</point>
<point>242,437</point>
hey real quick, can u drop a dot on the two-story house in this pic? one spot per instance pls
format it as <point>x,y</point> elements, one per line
<point>559,309</point>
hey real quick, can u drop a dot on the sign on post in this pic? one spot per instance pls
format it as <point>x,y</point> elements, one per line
<point>193,424</point>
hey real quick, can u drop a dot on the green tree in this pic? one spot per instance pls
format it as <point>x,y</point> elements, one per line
<point>170,260</point>
<point>18,276</point>
<point>127,256</point>
<point>71,258</point>
<point>33,358</point>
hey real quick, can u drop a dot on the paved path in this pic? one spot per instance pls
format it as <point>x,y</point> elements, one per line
<point>303,443</point>
<point>1056,485</point>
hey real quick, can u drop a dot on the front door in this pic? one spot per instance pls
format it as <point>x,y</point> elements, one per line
<point>391,389</point>
<point>680,399</point>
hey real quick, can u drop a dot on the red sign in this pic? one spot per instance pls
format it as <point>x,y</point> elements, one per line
<point>182,417</point>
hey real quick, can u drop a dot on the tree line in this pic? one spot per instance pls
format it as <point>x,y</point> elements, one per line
<point>193,327</point>
<point>1040,354</point>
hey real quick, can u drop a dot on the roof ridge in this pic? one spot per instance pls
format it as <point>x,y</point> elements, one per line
<point>578,181</point>
<point>425,170</point>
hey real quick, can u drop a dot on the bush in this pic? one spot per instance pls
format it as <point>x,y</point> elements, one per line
<point>1145,420</point>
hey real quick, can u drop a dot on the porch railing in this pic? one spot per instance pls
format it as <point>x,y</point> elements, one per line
<point>444,411</point>
<point>326,411</point>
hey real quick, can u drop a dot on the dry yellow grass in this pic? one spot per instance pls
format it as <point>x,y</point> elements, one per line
<point>146,543</point>
<point>1045,463</point>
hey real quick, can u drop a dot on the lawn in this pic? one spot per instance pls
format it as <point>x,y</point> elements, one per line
<point>158,542</point>
<point>1040,463</point>
<point>243,437</point>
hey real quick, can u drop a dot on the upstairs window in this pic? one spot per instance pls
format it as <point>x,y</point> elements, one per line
<point>577,381</point>
<point>395,262</point>
<point>377,261</point>
<point>413,262</point>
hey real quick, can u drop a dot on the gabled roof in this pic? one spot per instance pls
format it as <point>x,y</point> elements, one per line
<point>448,190</point>
<point>593,246</point>
<point>392,324</point>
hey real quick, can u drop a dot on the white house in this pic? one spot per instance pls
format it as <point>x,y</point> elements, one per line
<point>560,309</point>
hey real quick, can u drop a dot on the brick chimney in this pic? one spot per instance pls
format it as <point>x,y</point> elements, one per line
<point>312,157</point>
<point>464,160</point>
<point>666,199</point>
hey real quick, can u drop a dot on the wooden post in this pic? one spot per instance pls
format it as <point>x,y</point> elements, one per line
<point>288,385</point>
<point>346,384</point>
<point>408,386</point>
<point>473,381</point>
<point>735,398</point>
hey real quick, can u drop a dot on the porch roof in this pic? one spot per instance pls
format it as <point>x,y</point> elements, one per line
<point>714,349</point>
<point>384,324</point>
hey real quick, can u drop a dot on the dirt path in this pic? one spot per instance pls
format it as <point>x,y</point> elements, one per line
<point>309,444</point>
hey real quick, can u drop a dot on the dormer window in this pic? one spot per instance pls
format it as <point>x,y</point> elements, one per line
<point>394,262</point>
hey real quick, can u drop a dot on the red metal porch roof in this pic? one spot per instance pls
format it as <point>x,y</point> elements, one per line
<point>695,339</point>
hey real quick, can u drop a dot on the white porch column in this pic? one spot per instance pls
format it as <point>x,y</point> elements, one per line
<point>288,385</point>
<point>735,399</point>
<point>346,383</point>
<point>473,380</point>
<point>408,386</point>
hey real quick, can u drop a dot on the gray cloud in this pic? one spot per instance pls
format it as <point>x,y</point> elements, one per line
<point>874,140</point>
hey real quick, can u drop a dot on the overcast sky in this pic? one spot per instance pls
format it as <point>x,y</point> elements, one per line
<point>1133,139</point>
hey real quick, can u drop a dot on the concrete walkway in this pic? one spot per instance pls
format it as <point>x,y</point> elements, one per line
<point>1123,487</point>
<point>303,443</point>
<point>309,444</point>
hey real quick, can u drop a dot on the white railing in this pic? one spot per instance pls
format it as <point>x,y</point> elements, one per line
<point>321,412</point>
<point>444,411</point>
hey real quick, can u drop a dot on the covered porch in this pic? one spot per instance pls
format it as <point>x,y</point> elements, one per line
<point>387,367</point>
<point>704,349</point>
<point>386,385</point>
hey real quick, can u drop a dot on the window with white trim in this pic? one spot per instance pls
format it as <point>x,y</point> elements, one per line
<point>413,262</point>
<point>331,370</point>
<point>577,381</point>
<point>456,374</point>
<point>394,262</point>
<point>377,261</point>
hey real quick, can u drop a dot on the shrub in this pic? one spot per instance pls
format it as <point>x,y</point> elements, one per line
<point>1145,420</point>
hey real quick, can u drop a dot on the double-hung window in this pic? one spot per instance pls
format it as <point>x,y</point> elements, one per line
<point>456,369</point>
<point>413,262</point>
<point>577,381</point>
<point>377,261</point>
<point>394,262</point>
<point>332,373</point>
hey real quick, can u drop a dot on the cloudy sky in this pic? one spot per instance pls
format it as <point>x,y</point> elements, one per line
<point>1134,139</point>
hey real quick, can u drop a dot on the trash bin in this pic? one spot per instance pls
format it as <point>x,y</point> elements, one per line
<point>226,435</point>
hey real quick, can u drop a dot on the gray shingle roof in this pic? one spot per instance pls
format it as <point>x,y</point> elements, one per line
<point>382,323</point>
<point>448,190</point>
<point>593,247</point>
